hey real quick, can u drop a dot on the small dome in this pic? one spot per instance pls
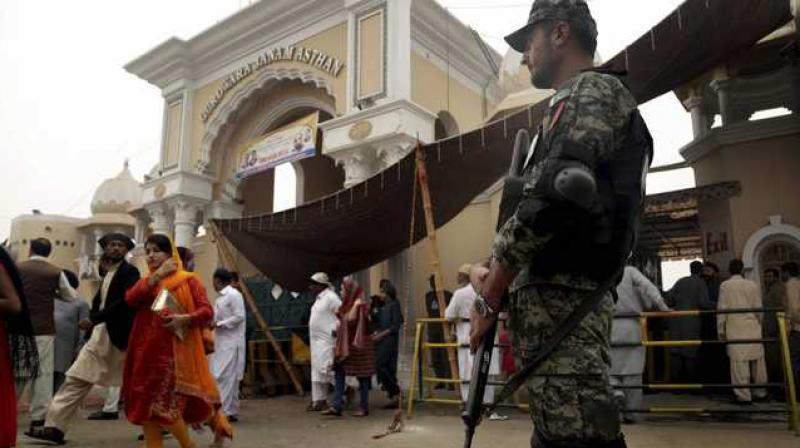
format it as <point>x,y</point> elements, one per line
<point>118,194</point>
<point>515,82</point>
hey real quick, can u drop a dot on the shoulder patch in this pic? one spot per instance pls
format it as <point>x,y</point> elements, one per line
<point>560,96</point>
<point>556,115</point>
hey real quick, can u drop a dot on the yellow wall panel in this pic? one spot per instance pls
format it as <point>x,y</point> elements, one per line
<point>429,89</point>
<point>370,55</point>
<point>172,147</point>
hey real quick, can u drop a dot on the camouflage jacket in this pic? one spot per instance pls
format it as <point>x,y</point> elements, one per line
<point>592,109</point>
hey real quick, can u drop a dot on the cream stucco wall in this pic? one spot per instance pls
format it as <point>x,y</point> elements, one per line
<point>62,232</point>
<point>768,172</point>
<point>429,89</point>
<point>465,239</point>
<point>332,42</point>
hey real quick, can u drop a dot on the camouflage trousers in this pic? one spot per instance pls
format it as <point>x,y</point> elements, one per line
<point>571,401</point>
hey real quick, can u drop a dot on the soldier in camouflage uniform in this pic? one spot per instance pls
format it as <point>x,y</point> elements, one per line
<point>588,122</point>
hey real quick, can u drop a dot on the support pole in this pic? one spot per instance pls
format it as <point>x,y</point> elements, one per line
<point>433,250</point>
<point>415,368</point>
<point>229,263</point>
<point>791,391</point>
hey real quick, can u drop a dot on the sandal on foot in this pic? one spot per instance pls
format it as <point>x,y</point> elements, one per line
<point>47,433</point>
<point>332,412</point>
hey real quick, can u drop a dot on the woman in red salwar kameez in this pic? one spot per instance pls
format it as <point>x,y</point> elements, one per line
<point>166,382</point>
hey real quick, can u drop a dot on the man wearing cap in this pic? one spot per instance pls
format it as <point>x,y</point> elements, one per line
<point>322,326</point>
<point>101,359</point>
<point>572,230</point>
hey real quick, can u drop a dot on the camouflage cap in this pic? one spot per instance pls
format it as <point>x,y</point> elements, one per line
<point>573,11</point>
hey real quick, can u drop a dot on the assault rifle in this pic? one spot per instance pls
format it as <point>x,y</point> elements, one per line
<point>512,193</point>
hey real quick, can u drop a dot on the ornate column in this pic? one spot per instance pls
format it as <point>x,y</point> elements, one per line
<point>185,222</point>
<point>722,87</point>
<point>700,119</point>
<point>98,251</point>
<point>140,231</point>
<point>161,219</point>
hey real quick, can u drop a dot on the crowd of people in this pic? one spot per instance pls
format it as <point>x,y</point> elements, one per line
<point>754,363</point>
<point>149,340</point>
<point>155,343</point>
<point>353,337</point>
<point>345,333</point>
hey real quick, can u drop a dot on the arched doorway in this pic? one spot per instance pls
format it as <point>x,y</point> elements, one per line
<point>774,254</point>
<point>445,125</point>
<point>275,105</point>
<point>770,247</point>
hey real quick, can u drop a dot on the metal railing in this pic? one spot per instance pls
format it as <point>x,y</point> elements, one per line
<point>420,379</point>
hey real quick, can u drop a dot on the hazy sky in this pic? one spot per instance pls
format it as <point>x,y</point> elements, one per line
<point>70,115</point>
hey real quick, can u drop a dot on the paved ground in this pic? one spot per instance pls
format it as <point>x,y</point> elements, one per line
<point>282,422</point>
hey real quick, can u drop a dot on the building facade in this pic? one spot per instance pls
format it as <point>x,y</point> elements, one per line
<point>757,155</point>
<point>74,240</point>
<point>380,75</point>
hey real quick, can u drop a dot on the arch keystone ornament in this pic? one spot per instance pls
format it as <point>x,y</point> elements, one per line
<point>360,131</point>
<point>160,191</point>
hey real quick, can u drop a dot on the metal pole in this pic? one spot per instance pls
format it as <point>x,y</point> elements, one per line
<point>414,369</point>
<point>791,392</point>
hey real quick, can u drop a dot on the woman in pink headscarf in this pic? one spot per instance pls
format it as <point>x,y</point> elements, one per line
<point>354,350</point>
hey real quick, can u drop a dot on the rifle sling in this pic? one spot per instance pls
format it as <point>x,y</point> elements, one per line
<point>578,314</point>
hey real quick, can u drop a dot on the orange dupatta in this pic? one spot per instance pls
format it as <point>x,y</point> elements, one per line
<point>192,375</point>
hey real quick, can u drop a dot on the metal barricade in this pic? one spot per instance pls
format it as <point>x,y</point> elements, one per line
<point>419,369</point>
<point>420,378</point>
<point>262,364</point>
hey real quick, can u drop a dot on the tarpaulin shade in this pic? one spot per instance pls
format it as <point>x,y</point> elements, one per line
<point>361,226</point>
<point>696,37</point>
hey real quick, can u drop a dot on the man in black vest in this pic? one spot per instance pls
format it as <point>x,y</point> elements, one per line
<point>101,359</point>
<point>572,231</point>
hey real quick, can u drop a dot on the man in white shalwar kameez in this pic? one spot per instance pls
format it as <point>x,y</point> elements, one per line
<point>635,294</point>
<point>458,311</point>
<point>322,326</point>
<point>227,361</point>
<point>747,360</point>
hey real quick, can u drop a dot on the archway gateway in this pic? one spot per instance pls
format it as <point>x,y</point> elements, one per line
<point>269,124</point>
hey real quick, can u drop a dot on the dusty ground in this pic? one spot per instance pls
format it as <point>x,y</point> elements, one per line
<point>283,422</point>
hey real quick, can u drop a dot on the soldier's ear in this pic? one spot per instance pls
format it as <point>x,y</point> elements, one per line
<point>560,34</point>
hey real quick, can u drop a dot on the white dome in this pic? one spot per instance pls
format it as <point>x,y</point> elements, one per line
<point>118,194</point>
<point>515,82</point>
<point>514,77</point>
